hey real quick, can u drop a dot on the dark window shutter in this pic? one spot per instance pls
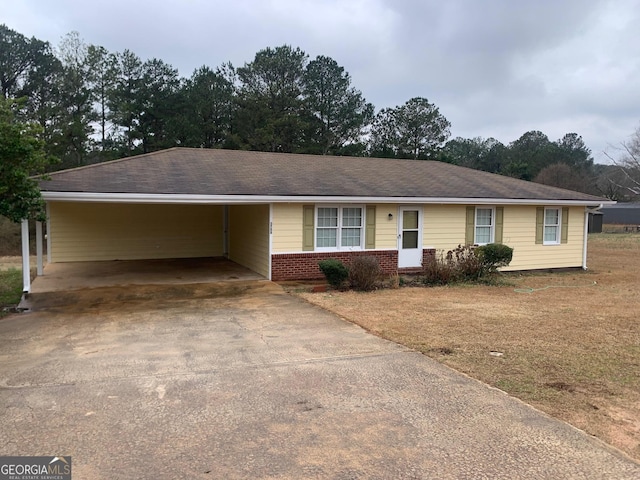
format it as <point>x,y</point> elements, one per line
<point>470,233</point>
<point>499,221</point>
<point>308,218</point>
<point>370,233</point>
<point>539,224</point>
<point>564,233</point>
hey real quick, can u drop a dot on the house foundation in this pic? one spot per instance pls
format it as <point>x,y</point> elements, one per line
<point>304,266</point>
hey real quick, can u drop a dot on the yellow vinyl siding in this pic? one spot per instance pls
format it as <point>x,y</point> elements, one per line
<point>287,228</point>
<point>520,233</point>
<point>444,226</point>
<point>249,237</point>
<point>287,234</point>
<point>444,229</point>
<point>98,231</point>
<point>386,230</point>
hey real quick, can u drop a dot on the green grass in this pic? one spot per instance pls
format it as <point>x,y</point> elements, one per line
<point>10,289</point>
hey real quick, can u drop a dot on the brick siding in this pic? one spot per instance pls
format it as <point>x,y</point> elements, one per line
<point>304,266</point>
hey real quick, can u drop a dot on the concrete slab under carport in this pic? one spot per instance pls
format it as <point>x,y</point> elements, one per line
<point>59,277</point>
<point>240,380</point>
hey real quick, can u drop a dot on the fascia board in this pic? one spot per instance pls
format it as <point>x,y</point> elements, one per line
<point>261,199</point>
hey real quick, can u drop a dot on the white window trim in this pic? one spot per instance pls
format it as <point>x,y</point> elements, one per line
<point>557,241</point>
<point>492,235</point>
<point>339,247</point>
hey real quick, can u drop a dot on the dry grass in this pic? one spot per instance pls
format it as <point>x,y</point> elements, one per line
<point>570,347</point>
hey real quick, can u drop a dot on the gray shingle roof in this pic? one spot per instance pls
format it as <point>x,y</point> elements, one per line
<point>190,171</point>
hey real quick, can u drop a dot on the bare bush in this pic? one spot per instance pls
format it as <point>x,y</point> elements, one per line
<point>364,273</point>
<point>464,264</point>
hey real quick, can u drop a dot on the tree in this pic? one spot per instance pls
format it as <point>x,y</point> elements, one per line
<point>338,112</point>
<point>209,95</point>
<point>28,68</point>
<point>157,105</point>
<point>18,56</point>
<point>122,101</point>
<point>270,108</point>
<point>495,156</point>
<point>42,93</point>
<point>465,152</point>
<point>481,154</point>
<point>528,155</point>
<point>612,183</point>
<point>573,152</point>
<point>75,101</point>
<point>23,155</point>
<point>415,130</point>
<point>563,176</point>
<point>101,79</point>
<point>628,163</point>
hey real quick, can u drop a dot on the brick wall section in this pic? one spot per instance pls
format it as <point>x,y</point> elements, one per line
<point>304,266</point>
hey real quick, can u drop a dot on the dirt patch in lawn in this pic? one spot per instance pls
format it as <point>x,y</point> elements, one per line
<point>567,343</point>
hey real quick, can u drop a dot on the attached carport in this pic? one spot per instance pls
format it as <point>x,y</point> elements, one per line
<point>175,203</point>
<point>92,228</point>
<point>94,231</point>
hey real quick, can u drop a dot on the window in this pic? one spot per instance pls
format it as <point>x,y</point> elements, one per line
<point>327,232</point>
<point>339,228</point>
<point>485,223</point>
<point>552,222</point>
<point>552,225</point>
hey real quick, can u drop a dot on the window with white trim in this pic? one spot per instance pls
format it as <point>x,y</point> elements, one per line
<point>552,226</point>
<point>485,225</point>
<point>339,227</point>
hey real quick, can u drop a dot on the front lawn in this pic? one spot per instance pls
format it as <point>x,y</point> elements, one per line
<point>567,343</point>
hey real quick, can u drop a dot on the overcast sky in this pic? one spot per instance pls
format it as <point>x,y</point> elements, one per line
<point>494,68</point>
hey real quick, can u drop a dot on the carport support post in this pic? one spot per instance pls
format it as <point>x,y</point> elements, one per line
<point>26,267</point>
<point>39,246</point>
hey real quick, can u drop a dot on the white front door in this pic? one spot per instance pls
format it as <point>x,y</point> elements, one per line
<point>410,237</point>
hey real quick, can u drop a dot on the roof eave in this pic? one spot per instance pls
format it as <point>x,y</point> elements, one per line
<point>261,199</point>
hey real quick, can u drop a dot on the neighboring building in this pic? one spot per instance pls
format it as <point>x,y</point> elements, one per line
<point>622,214</point>
<point>279,214</point>
<point>595,222</point>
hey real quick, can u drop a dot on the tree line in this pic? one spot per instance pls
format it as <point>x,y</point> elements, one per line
<point>93,105</point>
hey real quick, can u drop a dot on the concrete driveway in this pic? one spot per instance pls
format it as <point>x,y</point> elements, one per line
<point>240,380</point>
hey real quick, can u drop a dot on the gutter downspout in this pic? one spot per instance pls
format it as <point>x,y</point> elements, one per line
<point>26,267</point>
<point>270,240</point>
<point>587,211</point>
<point>39,262</point>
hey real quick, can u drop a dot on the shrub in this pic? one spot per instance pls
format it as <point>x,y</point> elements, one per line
<point>438,271</point>
<point>465,263</point>
<point>395,281</point>
<point>334,271</point>
<point>364,273</point>
<point>493,256</point>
